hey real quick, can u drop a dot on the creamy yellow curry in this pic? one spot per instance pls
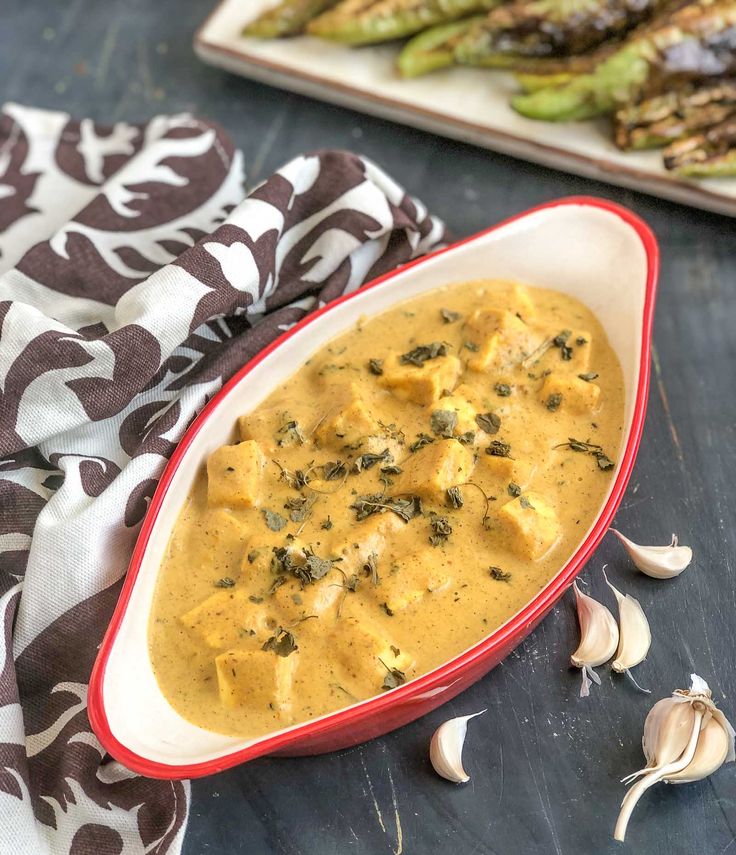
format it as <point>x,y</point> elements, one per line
<point>410,488</point>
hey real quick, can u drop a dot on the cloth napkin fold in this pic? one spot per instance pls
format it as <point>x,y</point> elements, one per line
<point>134,280</point>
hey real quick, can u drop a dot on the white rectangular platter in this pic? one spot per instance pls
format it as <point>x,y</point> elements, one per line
<point>462,103</point>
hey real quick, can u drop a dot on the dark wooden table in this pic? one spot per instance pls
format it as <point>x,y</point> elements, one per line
<point>545,764</point>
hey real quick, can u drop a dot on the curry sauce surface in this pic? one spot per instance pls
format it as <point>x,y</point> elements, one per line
<point>409,489</point>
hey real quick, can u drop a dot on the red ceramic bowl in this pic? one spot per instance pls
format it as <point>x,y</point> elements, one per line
<point>594,250</point>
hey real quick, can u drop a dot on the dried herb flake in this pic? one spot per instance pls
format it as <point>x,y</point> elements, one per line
<point>333,470</point>
<point>443,423</point>
<point>489,422</point>
<point>316,567</point>
<point>368,461</point>
<point>421,354</point>
<point>290,434</point>
<point>498,448</point>
<point>273,520</point>
<point>394,678</point>
<point>421,440</point>
<point>455,497</point>
<point>282,643</point>
<point>299,507</point>
<point>554,401</point>
<point>441,530</point>
<point>603,460</point>
<point>378,503</point>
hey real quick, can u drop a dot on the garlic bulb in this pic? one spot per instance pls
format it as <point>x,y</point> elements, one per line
<point>446,748</point>
<point>659,562</point>
<point>635,637</point>
<point>598,638</point>
<point>686,738</point>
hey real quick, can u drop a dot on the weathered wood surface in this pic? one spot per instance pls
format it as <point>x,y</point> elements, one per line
<point>545,765</point>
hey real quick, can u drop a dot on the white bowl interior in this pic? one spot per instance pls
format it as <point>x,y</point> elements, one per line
<point>584,251</point>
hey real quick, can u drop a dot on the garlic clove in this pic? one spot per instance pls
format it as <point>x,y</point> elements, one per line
<point>659,562</point>
<point>688,722</point>
<point>710,754</point>
<point>635,637</point>
<point>446,748</point>
<point>598,638</point>
<point>666,733</point>
<point>666,737</point>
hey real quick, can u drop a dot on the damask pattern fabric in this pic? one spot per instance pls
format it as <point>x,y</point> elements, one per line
<point>134,280</point>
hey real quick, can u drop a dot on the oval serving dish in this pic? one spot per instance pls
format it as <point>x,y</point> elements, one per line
<point>593,250</point>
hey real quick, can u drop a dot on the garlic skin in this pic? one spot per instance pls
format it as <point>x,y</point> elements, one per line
<point>598,638</point>
<point>688,722</point>
<point>446,748</point>
<point>635,637</point>
<point>659,562</point>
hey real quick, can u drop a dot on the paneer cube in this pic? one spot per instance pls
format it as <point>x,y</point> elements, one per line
<point>364,656</point>
<point>227,616</point>
<point>415,577</point>
<point>220,539</point>
<point>421,384</point>
<point>256,679</point>
<point>367,537</point>
<point>234,475</point>
<point>221,531</point>
<point>500,338</point>
<point>320,598</point>
<point>471,395</point>
<point>435,468</point>
<point>568,392</point>
<point>530,525</point>
<point>519,471</point>
<point>348,420</point>
<point>574,357</point>
<point>501,293</point>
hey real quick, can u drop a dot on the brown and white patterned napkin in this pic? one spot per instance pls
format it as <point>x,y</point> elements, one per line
<point>134,280</point>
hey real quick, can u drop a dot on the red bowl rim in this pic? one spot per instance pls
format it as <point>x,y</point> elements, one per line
<point>532,612</point>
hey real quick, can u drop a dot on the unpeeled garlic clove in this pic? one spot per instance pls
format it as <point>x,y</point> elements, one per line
<point>666,734</point>
<point>688,722</point>
<point>659,562</point>
<point>598,638</point>
<point>446,748</point>
<point>635,637</point>
<point>710,754</point>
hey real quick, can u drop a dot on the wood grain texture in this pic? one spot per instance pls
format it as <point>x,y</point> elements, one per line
<point>545,764</point>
